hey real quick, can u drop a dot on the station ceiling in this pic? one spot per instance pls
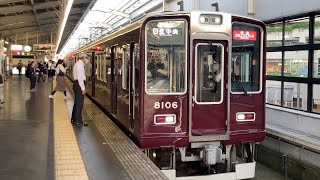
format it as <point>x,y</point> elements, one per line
<point>36,21</point>
<point>105,17</point>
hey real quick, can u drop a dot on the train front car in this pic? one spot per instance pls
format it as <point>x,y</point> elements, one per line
<point>164,62</point>
<point>204,88</point>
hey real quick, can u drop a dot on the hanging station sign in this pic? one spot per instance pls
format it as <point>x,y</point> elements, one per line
<point>44,47</point>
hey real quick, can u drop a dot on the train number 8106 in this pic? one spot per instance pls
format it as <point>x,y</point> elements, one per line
<point>165,105</point>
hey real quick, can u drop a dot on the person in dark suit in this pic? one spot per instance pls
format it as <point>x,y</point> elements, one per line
<point>31,67</point>
<point>20,65</point>
<point>152,67</point>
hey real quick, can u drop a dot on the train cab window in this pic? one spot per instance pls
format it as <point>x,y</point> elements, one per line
<point>246,59</point>
<point>209,69</point>
<point>165,63</point>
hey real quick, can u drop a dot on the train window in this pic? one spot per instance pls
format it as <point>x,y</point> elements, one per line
<point>105,68</point>
<point>88,70</point>
<point>101,67</point>
<point>165,63</point>
<point>125,67</point>
<point>246,59</point>
<point>108,64</point>
<point>209,72</point>
<point>136,68</point>
<point>98,67</point>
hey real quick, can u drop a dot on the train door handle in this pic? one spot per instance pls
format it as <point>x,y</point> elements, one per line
<point>193,100</point>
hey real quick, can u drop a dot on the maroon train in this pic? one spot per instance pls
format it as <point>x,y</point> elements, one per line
<point>192,81</point>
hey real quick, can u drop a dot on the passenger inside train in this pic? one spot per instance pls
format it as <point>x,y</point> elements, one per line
<point>157,74</point>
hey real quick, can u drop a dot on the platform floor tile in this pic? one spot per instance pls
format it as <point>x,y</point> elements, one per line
<point>132,159</point>
<point>68,160</point>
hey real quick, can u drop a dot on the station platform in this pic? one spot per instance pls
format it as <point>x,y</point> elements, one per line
<point>39,142</point>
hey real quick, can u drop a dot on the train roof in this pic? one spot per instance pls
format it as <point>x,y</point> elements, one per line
<point>137,24</point>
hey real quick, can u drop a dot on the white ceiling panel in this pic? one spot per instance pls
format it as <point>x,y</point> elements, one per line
<point>104,14</point>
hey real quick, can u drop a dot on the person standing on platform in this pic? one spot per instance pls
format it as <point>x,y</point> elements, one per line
<point>32,75</point>
<point>61,85</point>
<point>50,68</point>
<point>41,69</point>
<point>79,90</point>
<point>10,68</point>
<point>20,67</point>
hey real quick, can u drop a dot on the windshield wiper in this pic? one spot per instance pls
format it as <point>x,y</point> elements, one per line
<point>239,85</point>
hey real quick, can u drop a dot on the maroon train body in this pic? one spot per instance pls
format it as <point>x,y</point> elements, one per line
<point>184,80</point>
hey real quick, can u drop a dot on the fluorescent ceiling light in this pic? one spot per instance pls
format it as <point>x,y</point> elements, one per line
<point>105,14</point>
<point>64,21</point>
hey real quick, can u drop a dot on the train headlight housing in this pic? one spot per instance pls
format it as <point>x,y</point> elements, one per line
<point>165,119</point>
<point>211,19</point>
<point>246,116</point>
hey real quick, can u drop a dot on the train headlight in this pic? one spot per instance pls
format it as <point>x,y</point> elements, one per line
<point>212,19</point>
<point>245,116</point>
<point>165,119</point>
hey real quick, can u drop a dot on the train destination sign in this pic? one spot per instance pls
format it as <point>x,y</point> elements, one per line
<point>165,31</point>
<point>244,35</point>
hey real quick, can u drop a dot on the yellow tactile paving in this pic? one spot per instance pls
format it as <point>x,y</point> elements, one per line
<point>68,163</point>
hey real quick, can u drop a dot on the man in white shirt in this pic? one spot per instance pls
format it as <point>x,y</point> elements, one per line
<point>79,89</point>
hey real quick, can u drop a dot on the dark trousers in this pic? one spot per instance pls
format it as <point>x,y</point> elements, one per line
<point>41,76</point>
<point>19,69</point>
<point>32,82</point>
<point>78,103</point>
<point>50,73</point>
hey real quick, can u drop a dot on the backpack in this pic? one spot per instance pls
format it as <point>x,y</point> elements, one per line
<point>28,72</point>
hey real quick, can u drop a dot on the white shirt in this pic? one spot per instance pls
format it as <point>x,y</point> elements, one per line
<point>49,65</point>
<point>60,68</point>
<point>78,73</point>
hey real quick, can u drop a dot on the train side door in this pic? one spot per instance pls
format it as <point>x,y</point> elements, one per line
<point>131,85</point>
<point>113,80</point>
<point>209,97</point>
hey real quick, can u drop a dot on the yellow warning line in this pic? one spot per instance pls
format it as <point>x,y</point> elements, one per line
<point>68,163</point>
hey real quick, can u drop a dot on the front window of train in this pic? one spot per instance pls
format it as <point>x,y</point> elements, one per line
<point>246,59</point>
<point>165,56</point>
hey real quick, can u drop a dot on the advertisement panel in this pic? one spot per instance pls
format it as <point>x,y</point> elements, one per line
<point>44,47</point>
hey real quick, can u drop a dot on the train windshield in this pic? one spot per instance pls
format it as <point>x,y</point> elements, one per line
<point>165,56</point>
<point>246,59</point>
